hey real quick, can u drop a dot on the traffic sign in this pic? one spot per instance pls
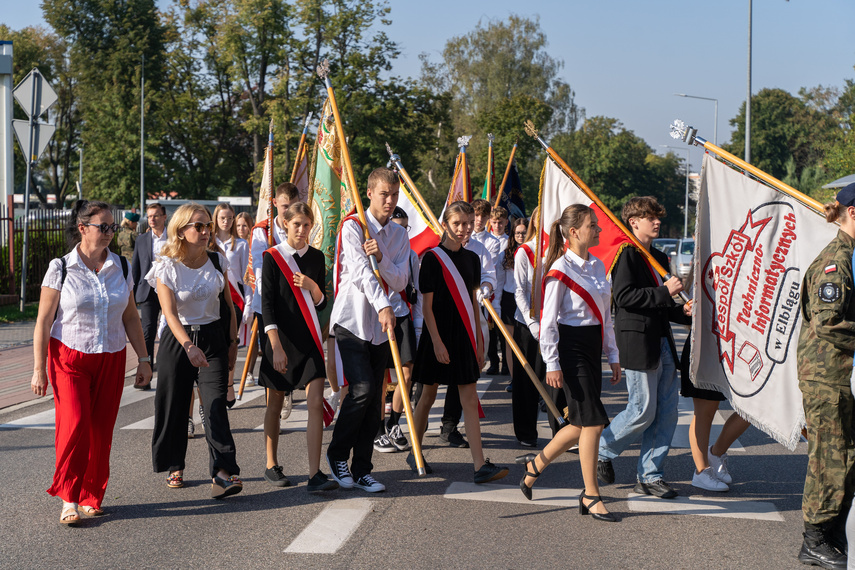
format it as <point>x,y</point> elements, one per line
<point>45,96</point>
<point>42,133</point>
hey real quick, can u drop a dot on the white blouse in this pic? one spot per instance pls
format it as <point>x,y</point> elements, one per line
<point>523,275</point>
<point>238,259</point>
<point>560,305</point>
<point>91,304</point>
<point>196,290</point>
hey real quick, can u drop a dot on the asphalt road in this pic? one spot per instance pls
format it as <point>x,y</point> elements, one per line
<point>441,521</point>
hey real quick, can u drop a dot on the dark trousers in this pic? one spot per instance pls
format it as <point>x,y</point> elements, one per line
<point>452,411</point>
<point>149,315</point>
<point>361,412</point>
<point>175,379</point>
<point>496,346</point>
<point>525,397</point>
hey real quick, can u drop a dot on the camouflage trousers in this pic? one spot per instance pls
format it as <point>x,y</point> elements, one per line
<point>830,479</point>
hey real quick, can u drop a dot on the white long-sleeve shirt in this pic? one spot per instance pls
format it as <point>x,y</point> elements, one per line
<point>566,307</point>
<point>488,270</point>
<point>399,305</point>
<point>258,247</point>
<point>523,275</point>
<point>360,297</point>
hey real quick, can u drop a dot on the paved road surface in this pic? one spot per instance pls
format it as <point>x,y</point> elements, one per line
<point>441,521</point>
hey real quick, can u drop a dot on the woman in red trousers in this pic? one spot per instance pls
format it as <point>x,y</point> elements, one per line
<point>86,309</point>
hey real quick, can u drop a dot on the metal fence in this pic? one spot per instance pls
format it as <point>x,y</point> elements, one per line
<point>46,241</point>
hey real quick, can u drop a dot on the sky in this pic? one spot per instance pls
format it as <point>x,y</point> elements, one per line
<point>626,58</point>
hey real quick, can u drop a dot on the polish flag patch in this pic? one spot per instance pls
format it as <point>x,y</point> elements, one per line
<point>831,268</point>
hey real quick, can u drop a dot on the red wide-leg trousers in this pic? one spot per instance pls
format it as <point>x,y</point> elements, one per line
<point>87,389</point>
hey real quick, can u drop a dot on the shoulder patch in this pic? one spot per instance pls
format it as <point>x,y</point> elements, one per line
<point>831,268</point>
<point>829,292</point>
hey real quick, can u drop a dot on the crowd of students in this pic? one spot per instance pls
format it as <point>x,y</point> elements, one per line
<point>193,272</point>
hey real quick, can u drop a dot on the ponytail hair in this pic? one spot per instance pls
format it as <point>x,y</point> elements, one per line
<point>833,211</point>
<point>572,217</point>
<point>81,213</point>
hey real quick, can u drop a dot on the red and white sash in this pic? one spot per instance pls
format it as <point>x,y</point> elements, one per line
<point>236,297</point>
<point>573,282</point>
<point>289,267</point>
<point>529,253</point>
<point>461,295</point>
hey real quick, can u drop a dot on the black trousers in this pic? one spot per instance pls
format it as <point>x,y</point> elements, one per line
<point>525,397</point>
<point>361,411</point>
<point>175,379</point>
<point>149,315</point>
<point>452,411</point>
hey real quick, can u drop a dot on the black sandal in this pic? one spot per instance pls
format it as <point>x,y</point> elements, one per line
<point>586,509</point>
<point>524,460</point>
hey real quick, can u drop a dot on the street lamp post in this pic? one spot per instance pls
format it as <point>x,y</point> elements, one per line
<point>686,205</point>
<point>715,124</point>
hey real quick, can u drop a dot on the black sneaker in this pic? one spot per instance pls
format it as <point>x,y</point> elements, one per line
<point>383,444</point>
<point>658,488</point>
<point>340,472</point>
<point>527,443</point>
<point>321,482</point>
<point>275,477</point>
<point>369,484</point>
<point>411,461</point>
<point>509,387</point>
<point>493,370</point>
<point>489,472</point>
<point>453,438</point>
<point>605,472</point>
<point>396,436</point>
<point>505,371</point>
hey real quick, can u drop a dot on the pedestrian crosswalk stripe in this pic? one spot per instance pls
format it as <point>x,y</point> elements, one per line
<point>541,496</point>
<point>706,507</point>
<point>331,528</point>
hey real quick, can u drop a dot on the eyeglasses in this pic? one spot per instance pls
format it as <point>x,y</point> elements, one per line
<point>105,228</point>
<point>199,226</point>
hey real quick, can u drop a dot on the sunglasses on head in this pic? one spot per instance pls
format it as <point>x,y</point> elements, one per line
<point>199,226</point>
<point>105,228</point>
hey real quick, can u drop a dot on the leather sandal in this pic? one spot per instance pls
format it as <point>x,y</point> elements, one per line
<point>69,515</point>
<point>586,509</point>
<point>91,511</point>
<point>525,460</point>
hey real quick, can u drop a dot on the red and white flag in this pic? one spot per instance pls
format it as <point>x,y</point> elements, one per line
<point>460,188</point>
<point>421,232</point>
<point>753,245</point>
<point>557,191</point>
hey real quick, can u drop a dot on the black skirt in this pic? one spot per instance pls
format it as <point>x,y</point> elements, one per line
<point>689,390</point>
<point>302,367</point>
<point>508,304</point>
<point>405,336</point>
<point>580,350</point>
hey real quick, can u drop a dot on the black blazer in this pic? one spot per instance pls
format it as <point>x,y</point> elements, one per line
<point>642,310</point>
<point>140,265</point>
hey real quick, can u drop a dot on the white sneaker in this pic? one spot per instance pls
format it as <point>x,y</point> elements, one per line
<point>287,404</point>
<point>719,467</point>
<point>250,380</point>
<point>370,484</point>
<point>706,480</point>
<point>382,444</point>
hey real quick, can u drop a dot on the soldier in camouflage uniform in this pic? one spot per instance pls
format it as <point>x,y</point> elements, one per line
<point>825,351</point>
<point>127,235</point>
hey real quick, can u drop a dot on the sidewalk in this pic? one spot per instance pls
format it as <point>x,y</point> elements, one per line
<point>16,363</point>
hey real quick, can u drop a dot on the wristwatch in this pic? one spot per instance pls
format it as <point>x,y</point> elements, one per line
<point>144,359</point>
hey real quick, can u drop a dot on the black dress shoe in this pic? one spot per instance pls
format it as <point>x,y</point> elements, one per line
<point>493,370</point>
<point>658,488</point>
<point>586,509</point>
<point>525,461</point>
<point>605,472</point>
<point>527,443</point>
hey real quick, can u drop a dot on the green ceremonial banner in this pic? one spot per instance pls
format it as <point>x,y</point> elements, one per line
<point>328,198</point>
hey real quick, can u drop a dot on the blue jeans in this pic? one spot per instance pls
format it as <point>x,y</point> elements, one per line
<point>651,414</point>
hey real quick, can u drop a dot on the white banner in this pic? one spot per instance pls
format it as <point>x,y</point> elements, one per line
<point>753,244</point>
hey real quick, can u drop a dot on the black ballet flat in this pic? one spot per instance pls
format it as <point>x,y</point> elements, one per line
<point>586,510</point>
<point>230,403</point>
<point>524,460</point>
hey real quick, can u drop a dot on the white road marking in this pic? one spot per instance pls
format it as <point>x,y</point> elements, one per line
<point>705,507</point>
<point>686,410</point>
<point>568,498</point>
<point>331,528</point>
<point>47,418</point>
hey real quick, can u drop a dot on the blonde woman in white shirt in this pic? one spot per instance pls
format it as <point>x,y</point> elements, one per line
<point>576,328</point>
<point>86,309</point>
<point>198,346</point>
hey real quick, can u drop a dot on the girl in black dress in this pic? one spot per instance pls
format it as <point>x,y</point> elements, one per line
<point>292,358</point>
<point>576,328</point>
<point>452,350</point>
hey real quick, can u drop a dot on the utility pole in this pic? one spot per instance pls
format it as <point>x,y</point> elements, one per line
<point>7,160</point>
<point>748,100</point>
<point>142,137</point>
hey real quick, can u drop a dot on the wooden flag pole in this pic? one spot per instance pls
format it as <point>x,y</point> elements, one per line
<point>396,160</point>
<point>505,177</point>
<point>531,131</point>
<point>464,172</point>
<point>687,134</point>
<point>252,348</point>
<point>323,73</point>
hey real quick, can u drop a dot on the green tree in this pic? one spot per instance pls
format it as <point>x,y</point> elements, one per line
<point>617,165</point>
<point>55,172</point>
<point>108,43</point>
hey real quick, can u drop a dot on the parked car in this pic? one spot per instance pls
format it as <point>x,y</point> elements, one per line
<point>662,244</point>
<point>681,261</point>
